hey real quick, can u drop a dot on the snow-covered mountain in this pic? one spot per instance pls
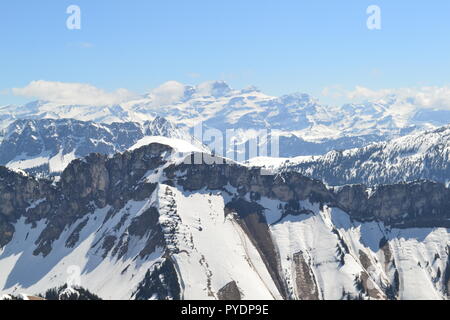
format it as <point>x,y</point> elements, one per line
<point>409,158</point>
<point>147,224</point>
<point>306,127</point>
<point>217,105</point>
<point>47,146</point>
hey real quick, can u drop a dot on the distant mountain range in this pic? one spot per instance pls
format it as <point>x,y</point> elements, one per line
<point>306,127</point>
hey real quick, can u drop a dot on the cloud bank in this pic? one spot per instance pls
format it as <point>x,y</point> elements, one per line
<point>168,93</point>
<point>72,93</point>
<point>172,92</point>
<point>423,97</point>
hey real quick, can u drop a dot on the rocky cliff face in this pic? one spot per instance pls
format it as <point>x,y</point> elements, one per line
<point>416,204</point>
<point>421,203</point>
<point>161,226</point>
<point>94,182</point>
<point>18,195</point>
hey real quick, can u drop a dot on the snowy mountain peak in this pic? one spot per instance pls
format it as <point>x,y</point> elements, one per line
<point>298,97</point>
<point>250,89</point>
<point>216,89</point>
<point>173,92</point>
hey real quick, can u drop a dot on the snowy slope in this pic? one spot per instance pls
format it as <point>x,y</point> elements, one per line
<point>211,250</point>
<point>340,253</point>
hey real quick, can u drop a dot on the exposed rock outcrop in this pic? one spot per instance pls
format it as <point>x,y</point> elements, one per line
<point>230,292</point>
<point>100,181</point>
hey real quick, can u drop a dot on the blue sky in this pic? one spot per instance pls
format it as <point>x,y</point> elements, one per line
<point>280,46</point>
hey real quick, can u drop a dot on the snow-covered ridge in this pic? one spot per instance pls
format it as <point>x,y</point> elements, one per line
<point>413,157</point>
<point>47,146</point>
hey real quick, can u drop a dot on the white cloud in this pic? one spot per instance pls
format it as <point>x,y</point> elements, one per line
<point>423,97</point>
<point>168,93</point>
<point>367,94</point>
<point>72,93</point>
<point>335,91</point>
